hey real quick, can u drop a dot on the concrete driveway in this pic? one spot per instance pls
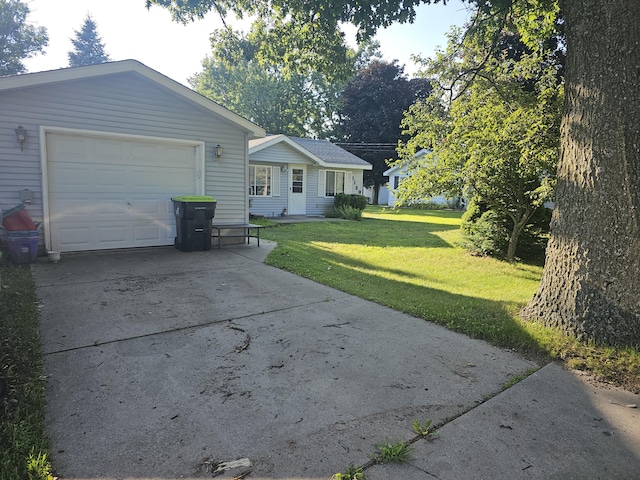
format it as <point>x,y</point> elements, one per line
<point>165,364</point>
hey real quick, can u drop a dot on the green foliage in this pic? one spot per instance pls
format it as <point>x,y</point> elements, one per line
<point>358,202</point>
<point>333,213</point>
<point>487,232</point>
<point>352,473</point>
<point>18,39</point>
<point>515,379</point>
<point>495,137</point>
<point>424,430</point>
<point>242,75</point>
<point>373,103</point>
<point>23,445</point>
<point>412,256</point>
<point>88,46</point>
<point>392,452</point>
<point>311,28</point>
<point>349,213</point>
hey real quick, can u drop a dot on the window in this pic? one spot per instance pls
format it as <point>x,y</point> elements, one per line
<point>259,181</point>
<point>334,183</point>
<point>396,182</point>
<point>297,180</point>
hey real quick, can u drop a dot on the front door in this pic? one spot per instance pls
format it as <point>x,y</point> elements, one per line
<point>297,190</point>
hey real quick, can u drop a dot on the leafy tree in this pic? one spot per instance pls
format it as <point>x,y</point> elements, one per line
<point>590,282</point>
<point>239,76</point>
<point>372,108</point>
<point>497,143</point>
<point>234,77</point>
<point>88,46</point>
<point>18,39</point>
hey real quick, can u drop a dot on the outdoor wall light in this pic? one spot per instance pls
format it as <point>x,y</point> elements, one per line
<point>217,153</point>
<point>21,136</point>
<point>283,168</point>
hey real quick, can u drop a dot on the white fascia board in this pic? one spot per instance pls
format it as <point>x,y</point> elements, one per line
<point>347,166</point>
<point>265,142</point>
<point>391,171</point>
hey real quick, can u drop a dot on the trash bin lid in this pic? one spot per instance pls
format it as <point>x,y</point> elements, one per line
<point>194,198</point>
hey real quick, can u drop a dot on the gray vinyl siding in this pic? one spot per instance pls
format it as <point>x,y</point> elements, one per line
<point>279,154</point>
<point>275,155</point>
<point>271,206</point>
<point>283,154</point>
<point>122,103</point>
<point>316,205</point>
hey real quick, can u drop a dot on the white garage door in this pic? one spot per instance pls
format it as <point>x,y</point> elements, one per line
<point>109,192</point>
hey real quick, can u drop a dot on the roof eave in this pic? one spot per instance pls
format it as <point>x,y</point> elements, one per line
<point>128,66</point>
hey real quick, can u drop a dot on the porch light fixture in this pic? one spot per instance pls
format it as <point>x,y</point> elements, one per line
<point>21,136</point>
<point>217,153</point>
<point>283,168</point>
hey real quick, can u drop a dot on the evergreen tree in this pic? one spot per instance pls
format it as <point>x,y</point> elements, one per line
<point>88,46</point>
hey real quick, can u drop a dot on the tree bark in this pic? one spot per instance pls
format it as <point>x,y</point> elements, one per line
<point>591,281</point>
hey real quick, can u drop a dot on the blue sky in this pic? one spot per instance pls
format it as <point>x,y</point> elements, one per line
<point>129,30</point>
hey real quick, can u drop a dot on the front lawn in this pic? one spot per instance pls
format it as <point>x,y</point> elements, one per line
<point>411,260</point>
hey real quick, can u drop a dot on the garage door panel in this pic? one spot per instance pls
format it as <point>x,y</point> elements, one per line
<point>151,233</point>
<point>107,235</point>
<point>105,208</point>
<point>118,195</point>
<point>82,178</point>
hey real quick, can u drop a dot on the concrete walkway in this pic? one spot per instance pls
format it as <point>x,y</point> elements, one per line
<point>164,364</point>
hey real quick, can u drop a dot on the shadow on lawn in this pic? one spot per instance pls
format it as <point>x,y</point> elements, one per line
<point>476,317</point>
<point>369,232</point>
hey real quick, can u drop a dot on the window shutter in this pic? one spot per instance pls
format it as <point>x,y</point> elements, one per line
<point>275,181</point>
<point>322,176</point>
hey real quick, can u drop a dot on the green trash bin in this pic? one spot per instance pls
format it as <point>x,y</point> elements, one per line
<point>193,222</point>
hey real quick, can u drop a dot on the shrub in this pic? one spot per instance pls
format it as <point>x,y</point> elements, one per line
<point>486,232</point>
<point>349,213</point>
<point>332,214</point>
<point>346,200</point>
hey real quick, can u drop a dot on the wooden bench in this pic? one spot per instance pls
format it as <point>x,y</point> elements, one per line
<point>249,230</point>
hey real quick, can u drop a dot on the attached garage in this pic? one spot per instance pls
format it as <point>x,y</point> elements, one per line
<point>108,191</point>
<point>106,148</point>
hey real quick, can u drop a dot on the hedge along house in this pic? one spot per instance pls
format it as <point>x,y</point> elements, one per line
<point>106,148</point>
<point>298,176</point>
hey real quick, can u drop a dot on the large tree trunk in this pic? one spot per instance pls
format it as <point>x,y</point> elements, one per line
<point>591,282</point>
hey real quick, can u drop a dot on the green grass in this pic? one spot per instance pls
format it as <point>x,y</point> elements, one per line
<point>23,444</point>
<point>412,261</point>
<point>390,452</point>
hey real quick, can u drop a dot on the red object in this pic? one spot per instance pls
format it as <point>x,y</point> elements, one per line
<point>18,220</point>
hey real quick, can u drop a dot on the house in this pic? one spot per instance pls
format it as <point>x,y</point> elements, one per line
<point>399,172</point>
<point>97,152</point>
<point>299,176</point>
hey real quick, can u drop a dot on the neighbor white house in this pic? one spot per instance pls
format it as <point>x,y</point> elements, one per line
<point>300,176</point>
<point>97,152</point>
<point>397,174</point>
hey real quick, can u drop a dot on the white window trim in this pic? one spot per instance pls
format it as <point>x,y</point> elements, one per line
<point>324,183</point>
<point>271,183</point>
